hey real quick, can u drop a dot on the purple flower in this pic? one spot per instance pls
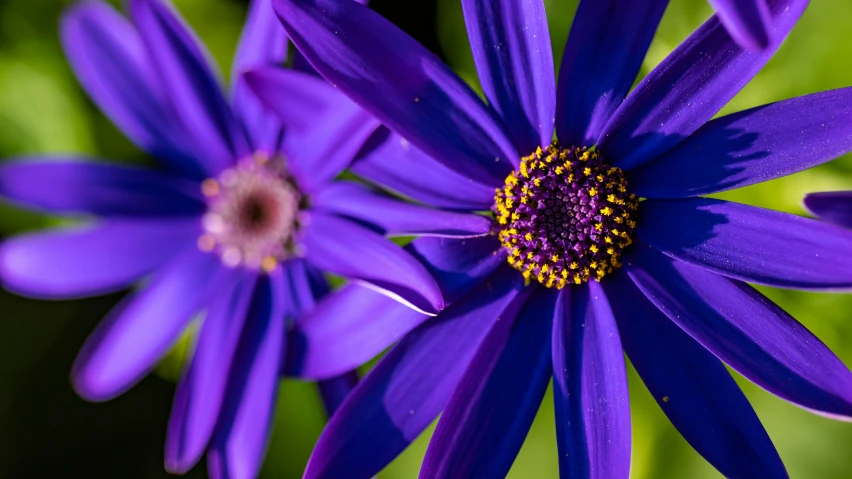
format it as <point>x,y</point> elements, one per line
<point>748,21</point>
<point>591,271</point>
<point>235,225</point>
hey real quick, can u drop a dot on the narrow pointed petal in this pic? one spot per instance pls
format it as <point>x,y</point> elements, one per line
<point>397,218</point>
<point>348,328</point>
<point>395,164</point>
<point>243,431</point>
<point>263,43</point>
<point>490,412</point>
<point>185,70</point>
<point>690,86</point>
<point>410,386</point>
<point>110,62</point>
<point>511,49</point>
<point>749,243</point>
<point>345,248</point>
<point>201,391</point>
<point>140,330</point>
<point>331,144</point>
<point>91,260</point>
<point>406,87</point>
<point>693,388</point>
<point>751,147</point>
<point>459,265</point>
<point>747,331</point>
<point>605,49</point>
<point>832,206</point>
<point>590,387</point>
<point>74,185</point>
<point>298,100</point>
<point>748,21</point>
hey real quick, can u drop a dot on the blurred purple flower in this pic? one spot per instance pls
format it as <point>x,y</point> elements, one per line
<point>576,292</point>
<point>832,206</point>
<point>238,222</point>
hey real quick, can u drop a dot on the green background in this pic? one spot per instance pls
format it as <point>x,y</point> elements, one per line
<point>46,431</point>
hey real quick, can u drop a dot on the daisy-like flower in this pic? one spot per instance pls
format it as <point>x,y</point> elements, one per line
<point>235,226</point>
<point>577,269</point>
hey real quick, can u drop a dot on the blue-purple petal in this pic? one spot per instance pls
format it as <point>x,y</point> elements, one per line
<point>346,329</point>
<point>392,162</point>
<point>410,386</point>
<point>747,331</point>
<point>75,185</point>
<point>192,88</point>
<point>263,43</point>
<point>458,265</point>
<point>511,49</point>
<point>201,390</point>
<point>345,248</point>
<point>605,49</point>
<point>590,386</point>
<point>94,259</point>
<point>749,243</point>
<point>334,390</point>
<point>692,387</point>
<point>243,431</point>
<point>832,206</point>
<point>690,86</point>
<point>490,412</point>
<point>397,218</point>
<point>111,63</point>
<point>752,146</point>
<point>140,330</point>
<point>748,21</point>
<point>402,84</point>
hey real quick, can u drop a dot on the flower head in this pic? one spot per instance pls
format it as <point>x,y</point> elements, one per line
<point>233,228</point>
<point>678,305</point>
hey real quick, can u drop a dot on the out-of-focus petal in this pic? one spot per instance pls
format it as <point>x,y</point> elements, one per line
<point>110,61</point>
<point>458,265</point>
<point>590,386</point>
<point>201,390</point>
<point>511,49</point>
<point>402,84</point>
<point>832,206</point>
<point>490,412</point>
<point>187,74</point>
<point>749,243</point>
<point>752,146</point>
<point>392,162</point>
<point>330,145</point>
<point>747,331</point>
<point>75,185</point>
<point>298,100</point>
<point>748,21</point>
<point>410,386</point>
<point>94,259</point>
<point>345,248</point>
<point>140,330</point>
<point>243,431</point>
<point>605,49</point>
<point>346,329</point>
<point>397,218</point>
<point>690,86</point>
<point>263,43</point>
<point>693,388</point>
<point>334,390</point>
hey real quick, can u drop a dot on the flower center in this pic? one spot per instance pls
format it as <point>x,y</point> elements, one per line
<point>565,216</point>
<point>252,213</point>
